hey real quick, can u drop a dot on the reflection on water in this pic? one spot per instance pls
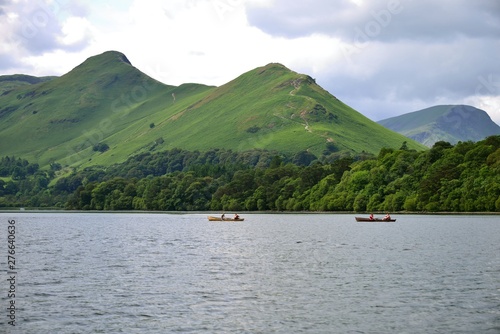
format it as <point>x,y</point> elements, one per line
<point>309,273</point>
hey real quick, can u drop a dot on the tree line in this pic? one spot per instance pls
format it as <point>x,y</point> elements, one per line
<point>451,178</point>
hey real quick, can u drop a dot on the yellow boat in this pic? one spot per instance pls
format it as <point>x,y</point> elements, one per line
<point>219,219</point>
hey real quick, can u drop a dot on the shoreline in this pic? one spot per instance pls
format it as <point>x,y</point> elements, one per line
<point>54,210</point>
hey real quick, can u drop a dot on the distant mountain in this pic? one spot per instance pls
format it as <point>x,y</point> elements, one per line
<point>105,110</point>
<point>9,82</point>
<point>450,123</point>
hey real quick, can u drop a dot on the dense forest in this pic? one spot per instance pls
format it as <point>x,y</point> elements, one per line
<point>451,178</point>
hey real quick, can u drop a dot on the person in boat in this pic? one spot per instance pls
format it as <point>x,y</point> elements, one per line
<point>223,216</point>
<point>371,216</point>
<point>236,216</point>
<point>387,216</point>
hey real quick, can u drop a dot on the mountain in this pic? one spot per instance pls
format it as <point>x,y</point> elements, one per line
<point>9,82</point>
<point>450,123</point>
<point>105,110</point>
<point>62,119</point>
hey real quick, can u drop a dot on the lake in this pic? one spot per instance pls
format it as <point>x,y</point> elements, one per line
<point>272,273</point>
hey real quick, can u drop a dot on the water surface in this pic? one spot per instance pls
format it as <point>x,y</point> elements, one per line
<point>272,273</point>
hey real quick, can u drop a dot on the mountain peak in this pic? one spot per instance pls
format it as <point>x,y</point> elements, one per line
<point>276,66</point>
<point>109,63</point>
<point>280,70</point>
<point>115,55</point>
<point>107,57</point>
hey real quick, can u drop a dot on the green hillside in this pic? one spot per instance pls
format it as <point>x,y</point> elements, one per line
<point>60,120</point>
<point>273,107</point>
<point>106,103</point>
<point>450,123</point>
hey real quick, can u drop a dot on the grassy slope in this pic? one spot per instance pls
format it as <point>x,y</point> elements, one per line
<point>105,99</point>
<point>61,119</point>
<point>417,119</point>
<point>420,125</point>
<point>276,101</point>
<point>138,136</point>
<point>353,130</point>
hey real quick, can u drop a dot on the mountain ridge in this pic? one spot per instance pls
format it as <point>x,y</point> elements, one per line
<point>106,100</point>
<point>451,123</point>
<point>9,82</point>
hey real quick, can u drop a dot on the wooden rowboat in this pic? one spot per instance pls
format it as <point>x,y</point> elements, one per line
<point>362,219</point>
<point>219,219</point>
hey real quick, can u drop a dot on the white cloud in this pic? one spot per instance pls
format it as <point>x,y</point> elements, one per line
<point>75,30</point>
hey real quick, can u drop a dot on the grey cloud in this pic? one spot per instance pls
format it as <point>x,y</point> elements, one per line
<point>405,73</point>
<point>7,62</point>
<point>421,71</point>
<point>38,31</point>
<point>296,19</point>
<point>39,28</point>
<point>385,20</point>
<point>3,4</point>
<point>77,8</point>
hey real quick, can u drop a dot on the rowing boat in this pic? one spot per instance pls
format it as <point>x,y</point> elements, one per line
<point>219,219</point>
<point>362,219</point>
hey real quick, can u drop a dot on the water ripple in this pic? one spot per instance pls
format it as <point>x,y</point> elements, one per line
<point>160,273</point>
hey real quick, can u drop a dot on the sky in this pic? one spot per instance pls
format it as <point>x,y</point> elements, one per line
<point>381,57</point>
